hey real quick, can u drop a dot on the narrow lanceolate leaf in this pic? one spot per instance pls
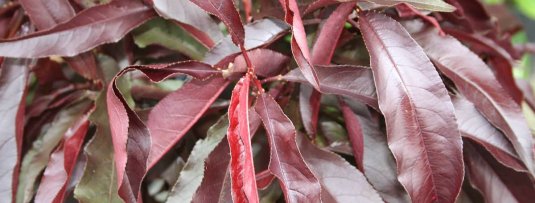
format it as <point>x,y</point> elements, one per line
<point>38,156</point>
<point>169,122</point>
<point>215,186</point>
<point>61,165</point>
<point>99,179</point>
<point>475,127</point>
<point>47,14</point>
<point>132,140</point>
<point>286,162</point>
<point>475,80</point>
<point>354,132</point>
<point>193,172</point>
<point>13,75</point>
<point>184,11</point>
<point>355,82</point>
<point>430,5</point>
<point>340,182</point>
<point>242,171</point>
<point>227,12</point>
<point>496,182</point>
<point>131,143</point>
<point>299,43</point>
<point>421,125</point>
<point>87,30</point>
<point>379,163</point>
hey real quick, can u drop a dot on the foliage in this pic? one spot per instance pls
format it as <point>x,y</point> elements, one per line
<point>263,101</point>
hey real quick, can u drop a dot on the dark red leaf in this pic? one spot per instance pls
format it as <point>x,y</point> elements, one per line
<point>264,179</point>
<point>318,4</point>
<point>355,82</point>
<point>496,182</point>
<point>475,80</point>
<point>266,63</point>
<point>61,165</point>
<point>242,171</point>
<point>184,11</point>
<point>131,142</point>
<point>47,14</point>
<point>13,76</point>
<point>226,11</point>
<point>78,34</point>
<point>286,162</point>
<point>340,182</point>
<point>500,60</point>
<point>215,186</point>
<point>169,122</point>
<point>421,125</point>
<point>354,132</point>
<point>476,128</point>
<point>299,43</point>
<point>309,107</point>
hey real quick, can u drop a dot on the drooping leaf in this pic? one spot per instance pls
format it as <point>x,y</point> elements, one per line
<point>78,34</point>
<point>242,171</point>
<point>322,52</point>
<point>226,11</point>
<point>496,182</point>
<point>340,182</point>
<point>355,134</point>
<point>184,11</point>
<point>430,5</point>
<point>169,122</point>
<point>13,76</point>
<point>215,186</point>
<point>38,156</point>
<point>500,60</point>
<point>61,165</point>
<point>475,80</point>
<point>421,125</point>
<point>286,162</point>
<point>299,45</point>
<point>99,180</point>
<point>355,82</point>
<point>475,127</point>
<point>379,163</point>
<point>193,172</point>
<point>167,34</point>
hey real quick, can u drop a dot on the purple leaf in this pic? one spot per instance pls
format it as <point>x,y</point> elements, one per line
<point>77,35</point>
<point>286,162</point>
<point>421,125</point>
<point>475,80</point>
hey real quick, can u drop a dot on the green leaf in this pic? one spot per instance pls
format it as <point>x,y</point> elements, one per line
<point>527,7</point>
<point>193,172</point>
<point>99,180</point>
<point>167,34</point>
<point>38,156</point>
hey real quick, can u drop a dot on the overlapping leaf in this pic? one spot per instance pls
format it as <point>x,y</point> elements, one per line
<point>476,81</point>
<point>340,182</point>
<point>355,82</point>
<point>286,162</point>
<point>475,127</point>
<point>226,11</point>
<point>421,125</point>
<point>13,76</point>
<point>78,34</point>
<point>192,174</point>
